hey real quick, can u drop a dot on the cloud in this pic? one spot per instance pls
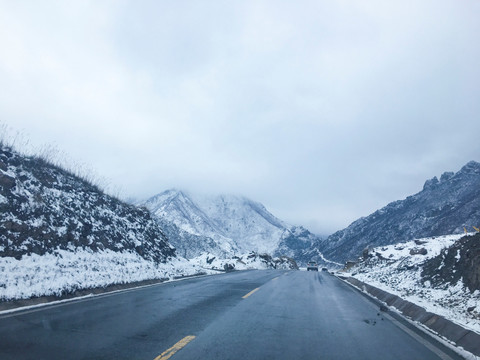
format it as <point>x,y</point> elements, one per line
<point>323,110</point>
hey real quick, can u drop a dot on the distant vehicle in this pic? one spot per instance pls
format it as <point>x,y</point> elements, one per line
<point>324,269</point>
<point>312,265</point>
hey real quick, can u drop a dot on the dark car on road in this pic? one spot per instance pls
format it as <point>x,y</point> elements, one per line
<point>312,265</point>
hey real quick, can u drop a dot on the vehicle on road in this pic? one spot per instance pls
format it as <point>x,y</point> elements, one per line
<point>312,265</point>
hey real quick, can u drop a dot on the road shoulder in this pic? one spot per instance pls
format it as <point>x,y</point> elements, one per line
<point>438,325</point>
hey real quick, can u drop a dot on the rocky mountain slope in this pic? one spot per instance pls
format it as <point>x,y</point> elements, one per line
<point>444,206</point>
<point>225,225</point>
<point>44,208</point>
<point>459,263</point>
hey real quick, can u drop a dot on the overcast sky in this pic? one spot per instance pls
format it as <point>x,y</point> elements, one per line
<point>322,110</point>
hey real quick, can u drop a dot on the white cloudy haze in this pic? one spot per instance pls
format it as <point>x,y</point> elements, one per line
<point>322,110</point>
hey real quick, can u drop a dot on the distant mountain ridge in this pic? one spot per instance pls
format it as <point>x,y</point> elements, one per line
<point>444,206</point>
<point>224,225</point>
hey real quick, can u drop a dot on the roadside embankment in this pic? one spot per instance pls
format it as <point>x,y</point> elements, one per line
<point>14,304</point>
<point>467,339</point>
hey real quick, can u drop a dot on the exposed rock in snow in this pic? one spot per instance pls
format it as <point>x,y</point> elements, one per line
<point>457,263</point>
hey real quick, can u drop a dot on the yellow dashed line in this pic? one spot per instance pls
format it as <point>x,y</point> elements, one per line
<point>250,293</point>
<point>167,354</point>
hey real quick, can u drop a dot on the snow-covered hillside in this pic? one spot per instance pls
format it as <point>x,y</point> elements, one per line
<point>60,233</point>
<point>247,222</point>
<point>413,271</point>
<point>43,208</point>
<point>234,223</point>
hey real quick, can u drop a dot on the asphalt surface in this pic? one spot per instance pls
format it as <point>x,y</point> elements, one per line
<point>242,315</point>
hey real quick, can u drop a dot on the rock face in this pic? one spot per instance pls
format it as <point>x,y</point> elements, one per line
<point>443,207</point>
<point>44,208</point>
<point>225,225</point>
<point>294,242</point>
<point>459,262</point>
<point>189,245</point>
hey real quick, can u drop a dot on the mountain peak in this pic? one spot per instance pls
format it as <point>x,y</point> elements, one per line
<point>472,167</point>
<point>447,175</point>
<point>430,184</point>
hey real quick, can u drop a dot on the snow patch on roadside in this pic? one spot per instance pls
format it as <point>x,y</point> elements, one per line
<point>246,261</point>
<point>393,268</point>
<point>63,272</point>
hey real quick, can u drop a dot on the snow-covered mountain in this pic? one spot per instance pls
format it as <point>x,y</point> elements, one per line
<point>225,225</point>
<point>444,206</point>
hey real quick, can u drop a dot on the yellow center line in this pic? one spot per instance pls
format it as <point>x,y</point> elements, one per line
<point>167,354</point>
<point>275,278</point>
<point>250,293</point>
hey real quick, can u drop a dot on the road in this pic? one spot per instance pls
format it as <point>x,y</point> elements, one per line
<point>241,315</point>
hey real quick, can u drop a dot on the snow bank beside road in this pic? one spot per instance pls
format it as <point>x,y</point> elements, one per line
<point>398,270</point>
<point>63,272</point>
<point>247,261</point>
<point>66,271</point>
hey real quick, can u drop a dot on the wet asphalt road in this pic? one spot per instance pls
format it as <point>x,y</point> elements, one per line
<point>289,315</point>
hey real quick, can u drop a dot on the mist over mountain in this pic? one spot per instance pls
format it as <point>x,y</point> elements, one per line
<point>444,206</point>
<point>225,225</point>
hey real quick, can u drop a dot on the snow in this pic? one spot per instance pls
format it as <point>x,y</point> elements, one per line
<point>63,272</point>
<point>247,261</point>
<point>400,273</point>
<point>328,261</point>
<point>235,223</point>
